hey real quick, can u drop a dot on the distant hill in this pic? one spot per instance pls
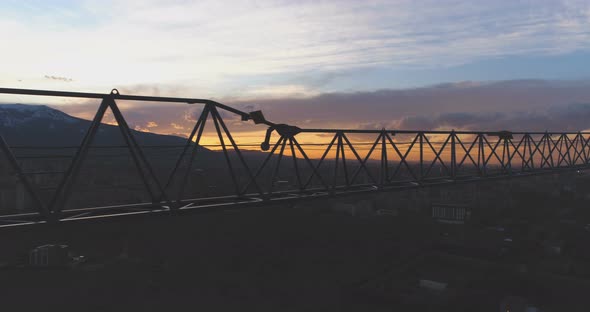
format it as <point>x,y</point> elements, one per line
<point>37,135</point>
<point>42,126</point>
<point>39,125</point>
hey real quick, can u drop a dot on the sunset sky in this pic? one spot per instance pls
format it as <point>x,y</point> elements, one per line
<point>356,64</point>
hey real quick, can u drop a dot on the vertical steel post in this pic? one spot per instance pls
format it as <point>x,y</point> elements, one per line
<point>453,156</point>
<point>336,161</point>
<point>551,147</point>
<point>481,161</point>
<point>344,166</point>
<point>421,145</point>
<point>568,147</point>
<point>507,151</point>
<point>384,170</point>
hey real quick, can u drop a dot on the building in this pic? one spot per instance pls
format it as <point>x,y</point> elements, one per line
<point>49,256</point>
<point>451,213</point>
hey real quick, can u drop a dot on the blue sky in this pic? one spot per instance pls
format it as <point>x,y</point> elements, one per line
<point>262,49</point>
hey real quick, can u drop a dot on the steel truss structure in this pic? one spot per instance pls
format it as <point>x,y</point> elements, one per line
<point>354,161</point>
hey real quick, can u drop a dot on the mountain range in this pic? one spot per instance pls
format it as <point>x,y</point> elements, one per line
<point>40,125</point>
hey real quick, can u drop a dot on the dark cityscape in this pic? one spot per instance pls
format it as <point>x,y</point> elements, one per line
<point>295,156</point>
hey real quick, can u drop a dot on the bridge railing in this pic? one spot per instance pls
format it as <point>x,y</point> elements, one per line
<point>195,175</point>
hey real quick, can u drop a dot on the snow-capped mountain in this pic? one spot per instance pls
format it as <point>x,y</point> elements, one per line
<point>40,125</point>
<point>12,115</point>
